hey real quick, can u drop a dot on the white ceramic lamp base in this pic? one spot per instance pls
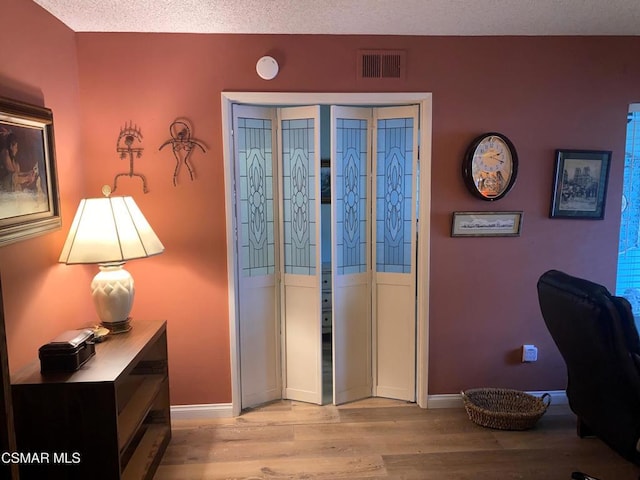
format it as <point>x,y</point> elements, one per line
<point>113,290</point>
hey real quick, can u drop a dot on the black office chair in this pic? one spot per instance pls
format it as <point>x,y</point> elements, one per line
<point>597,337</point>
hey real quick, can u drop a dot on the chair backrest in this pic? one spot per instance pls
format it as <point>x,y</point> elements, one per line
<point>596,335</point>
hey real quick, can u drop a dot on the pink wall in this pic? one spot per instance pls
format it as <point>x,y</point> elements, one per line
<point>39,66</point>
<point>544,93</point>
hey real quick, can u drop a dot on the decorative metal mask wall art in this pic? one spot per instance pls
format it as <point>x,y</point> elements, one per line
<point>129,145</point>
<point>183,146</point>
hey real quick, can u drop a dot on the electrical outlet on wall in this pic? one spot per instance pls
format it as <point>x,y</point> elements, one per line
<point>529,353</point>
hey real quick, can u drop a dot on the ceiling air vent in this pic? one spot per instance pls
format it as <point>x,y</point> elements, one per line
<point>390,64</point>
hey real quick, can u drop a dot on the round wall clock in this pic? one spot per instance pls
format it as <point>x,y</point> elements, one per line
<point>490,166</point>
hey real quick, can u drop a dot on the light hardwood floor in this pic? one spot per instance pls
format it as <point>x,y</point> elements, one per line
<point>382,439</point>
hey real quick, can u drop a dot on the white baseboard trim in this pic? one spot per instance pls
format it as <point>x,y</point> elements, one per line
<point>448,400</point>
<point>201,412</point>
<point>454,400</point>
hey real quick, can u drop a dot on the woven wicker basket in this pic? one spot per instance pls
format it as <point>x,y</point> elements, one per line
<point>504,409</point>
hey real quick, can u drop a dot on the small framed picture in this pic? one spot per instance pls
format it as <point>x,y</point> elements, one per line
<point>580,184</point>
<point>29,203</point>
<point>486,224</point>
<point>325,181</point>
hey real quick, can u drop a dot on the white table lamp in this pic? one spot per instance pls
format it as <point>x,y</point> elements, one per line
<point>109,231</point>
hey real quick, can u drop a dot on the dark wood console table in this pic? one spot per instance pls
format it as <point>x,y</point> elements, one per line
<point>108,420</point>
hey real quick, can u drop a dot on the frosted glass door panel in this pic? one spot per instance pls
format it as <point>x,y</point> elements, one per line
<point>351,168</point>
<point>255,164</point>
<point>395,156</point>
<point>299,180</point>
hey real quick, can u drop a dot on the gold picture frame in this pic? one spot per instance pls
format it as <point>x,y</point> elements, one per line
<point>29,200</point>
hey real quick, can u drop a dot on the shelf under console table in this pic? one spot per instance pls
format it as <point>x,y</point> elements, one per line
<point>108,420</point>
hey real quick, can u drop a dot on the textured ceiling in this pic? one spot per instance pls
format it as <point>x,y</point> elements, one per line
<point>384,17</point>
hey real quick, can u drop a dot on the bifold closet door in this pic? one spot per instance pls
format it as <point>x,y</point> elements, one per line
<point>277,192</point>
<point>394,255</point>
<point>374,195</point>
<point>351,252</point>
<point>257,232</point>
<point>299,141</point>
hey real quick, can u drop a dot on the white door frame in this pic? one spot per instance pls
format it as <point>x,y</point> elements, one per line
<point>295,98</point>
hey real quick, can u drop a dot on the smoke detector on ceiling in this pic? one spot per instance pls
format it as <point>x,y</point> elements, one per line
<point>267,68</point>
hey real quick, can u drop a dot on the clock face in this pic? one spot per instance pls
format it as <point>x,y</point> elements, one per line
<point>490,166</point>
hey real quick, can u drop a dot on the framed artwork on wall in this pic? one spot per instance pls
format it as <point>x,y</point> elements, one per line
<point>580,184</point>
<point>486,224</point>
<point>325,181</point>
<point>29,202</point>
